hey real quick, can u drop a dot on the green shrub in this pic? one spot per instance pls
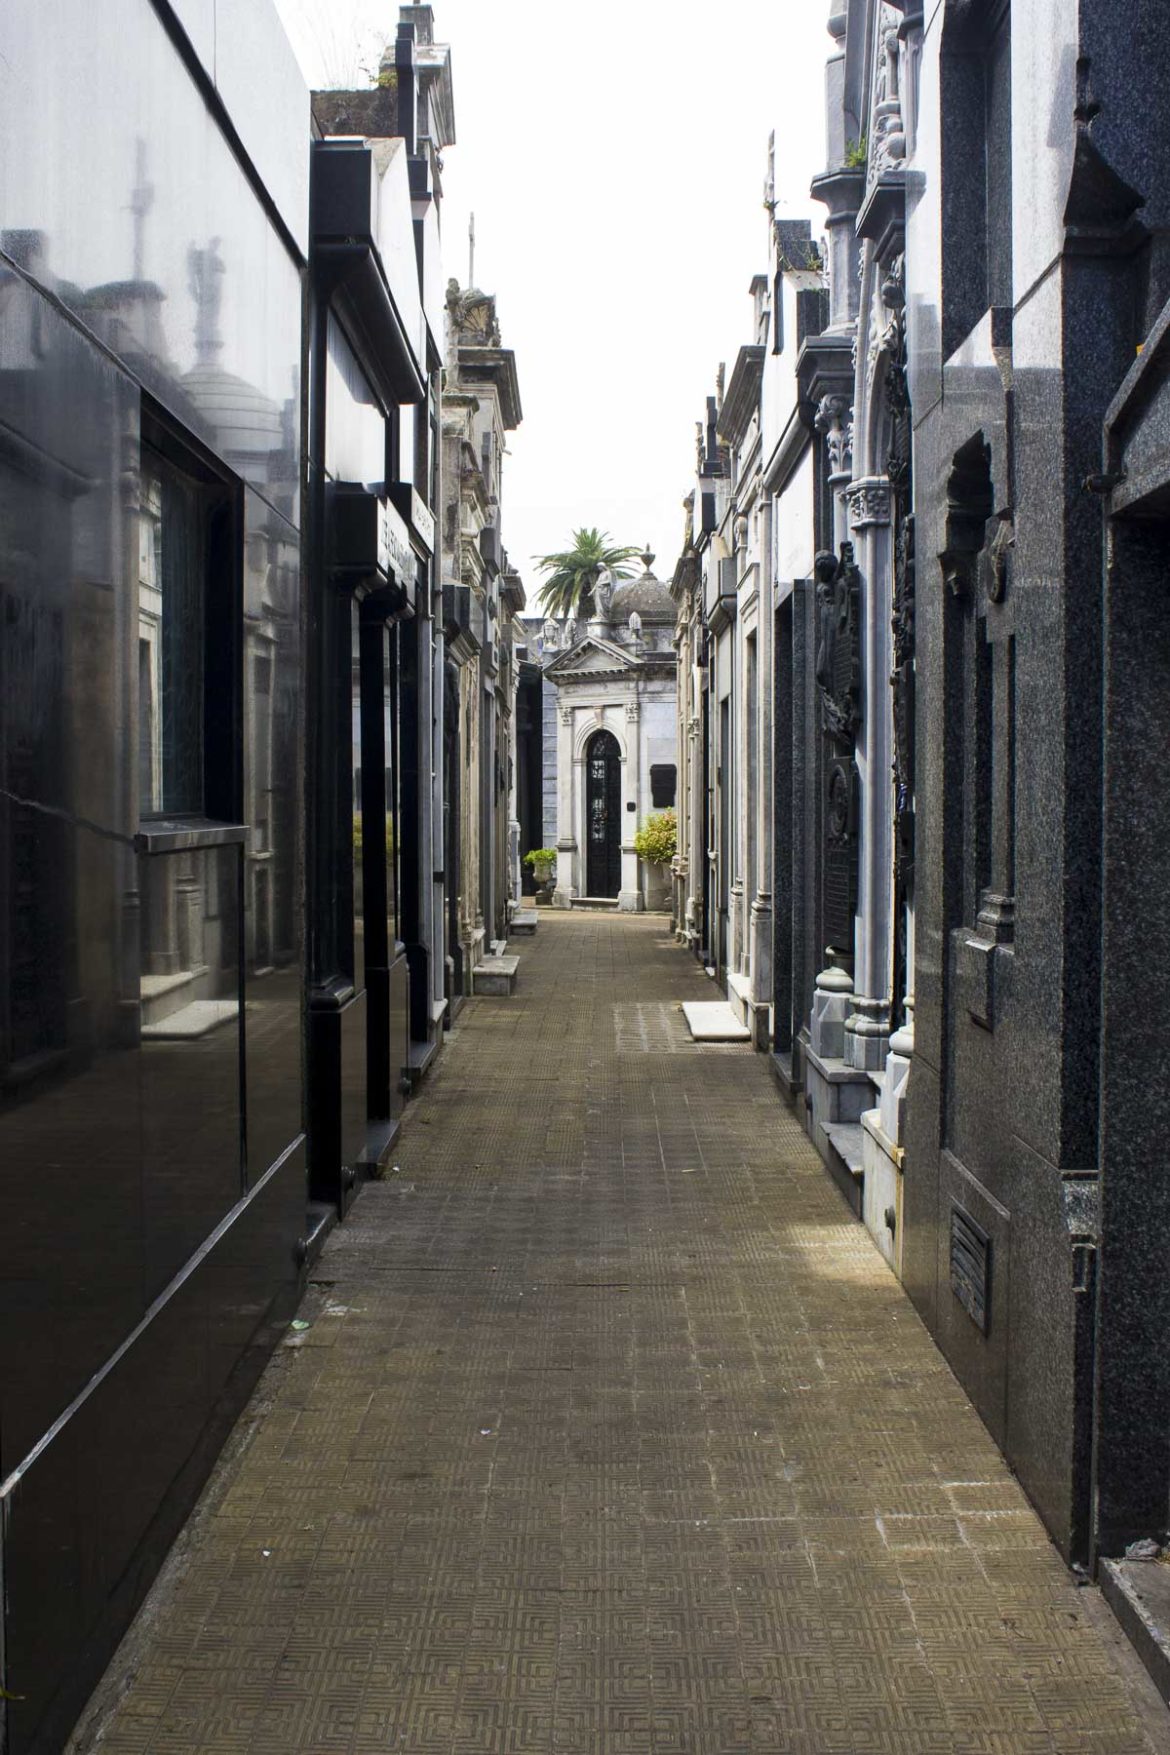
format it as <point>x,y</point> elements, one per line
<point>657,839</point>
<point>541,856</point>
<point>357,836</point>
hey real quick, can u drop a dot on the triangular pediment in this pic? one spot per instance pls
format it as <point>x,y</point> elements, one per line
<point>591,657</point>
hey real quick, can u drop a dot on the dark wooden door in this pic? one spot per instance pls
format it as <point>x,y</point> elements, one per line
<point>603,818</point>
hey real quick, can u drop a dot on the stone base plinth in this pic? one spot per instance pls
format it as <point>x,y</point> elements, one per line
<point>833,1093</point>
<point>495,975</point>
<point>881,1204</point>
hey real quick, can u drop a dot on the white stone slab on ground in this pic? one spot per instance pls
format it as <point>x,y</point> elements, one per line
<point>713,1021</point>
<point>192,1021</point>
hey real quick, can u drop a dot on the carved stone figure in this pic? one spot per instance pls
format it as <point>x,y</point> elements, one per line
<point>838,645</point>
<point>838,676</point>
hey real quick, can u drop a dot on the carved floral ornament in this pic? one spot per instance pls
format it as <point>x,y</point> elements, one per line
<point>834,421</point>
<point>869,502</point>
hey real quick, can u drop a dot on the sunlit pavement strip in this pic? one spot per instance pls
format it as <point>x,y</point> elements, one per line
<point>610,1431</point>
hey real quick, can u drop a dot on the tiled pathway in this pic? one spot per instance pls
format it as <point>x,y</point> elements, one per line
<point>611,1432</point>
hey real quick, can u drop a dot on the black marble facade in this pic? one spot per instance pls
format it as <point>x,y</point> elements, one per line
<point>152,1154</point>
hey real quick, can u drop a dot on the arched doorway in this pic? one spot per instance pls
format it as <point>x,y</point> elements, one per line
<point>603,807</point>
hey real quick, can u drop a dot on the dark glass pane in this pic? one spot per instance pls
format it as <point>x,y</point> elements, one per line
<point>190,1033</point>
<point>272,910</point>
<point>172,574</point>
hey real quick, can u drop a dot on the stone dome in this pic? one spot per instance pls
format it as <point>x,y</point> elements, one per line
<point>646,594</point>
<point>247,423</point>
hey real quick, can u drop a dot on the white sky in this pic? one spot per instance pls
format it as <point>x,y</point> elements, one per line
<point>614,157</point>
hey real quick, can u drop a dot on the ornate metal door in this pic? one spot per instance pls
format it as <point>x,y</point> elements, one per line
<point>603,821</point>
<point>839,685</point>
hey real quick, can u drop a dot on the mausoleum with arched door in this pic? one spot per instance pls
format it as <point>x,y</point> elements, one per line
<point>616,729</point>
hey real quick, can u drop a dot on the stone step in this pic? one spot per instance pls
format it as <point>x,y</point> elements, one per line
<point>713,1021</point>
<point>846,1138</point>
<point>524,921</point>
<point>163,995</point>
<point>496,975</point>
<point>192,1021</point>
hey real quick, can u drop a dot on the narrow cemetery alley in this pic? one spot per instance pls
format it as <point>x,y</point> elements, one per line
<point>605,1428</point>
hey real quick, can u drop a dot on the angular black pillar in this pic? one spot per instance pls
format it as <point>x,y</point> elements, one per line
<point>412,780</point>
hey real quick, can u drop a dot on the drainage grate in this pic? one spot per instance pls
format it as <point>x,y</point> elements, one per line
<point>971,1268</point>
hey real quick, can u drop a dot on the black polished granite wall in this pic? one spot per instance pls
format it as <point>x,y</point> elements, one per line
<point>1003,1101</point>
<point>151,1148</point>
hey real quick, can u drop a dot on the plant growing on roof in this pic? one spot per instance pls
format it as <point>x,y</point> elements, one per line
<point>573,574</point>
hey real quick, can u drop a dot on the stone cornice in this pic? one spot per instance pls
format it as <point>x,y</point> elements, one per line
<point>496,366</point>
<point>741,399</point>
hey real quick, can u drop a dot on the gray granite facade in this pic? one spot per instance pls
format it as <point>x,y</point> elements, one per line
<point>973,787</point>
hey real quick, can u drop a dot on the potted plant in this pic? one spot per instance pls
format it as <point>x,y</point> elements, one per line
<point>543,861</point>
<point>656,843</point>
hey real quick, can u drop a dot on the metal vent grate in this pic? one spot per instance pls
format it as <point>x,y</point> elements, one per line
<point>971,1268</point>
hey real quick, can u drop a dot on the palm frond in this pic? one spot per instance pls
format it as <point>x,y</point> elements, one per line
<point>571,574</point>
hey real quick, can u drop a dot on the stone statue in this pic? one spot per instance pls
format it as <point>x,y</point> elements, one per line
<point>603,592</point>
<point>205,272</point>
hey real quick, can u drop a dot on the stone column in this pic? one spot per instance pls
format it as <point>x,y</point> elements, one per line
<point>868,1029</point>
<point>834,421</point>
<point>760,922</point>
<point>842,185</point>
<point>566,820</point>
<point>630,895</point>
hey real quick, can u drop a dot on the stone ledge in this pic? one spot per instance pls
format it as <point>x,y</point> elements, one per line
<point>1138,1592</point>
<point>495,975</point>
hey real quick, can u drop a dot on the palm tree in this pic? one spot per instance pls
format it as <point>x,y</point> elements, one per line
<point>574,573</point>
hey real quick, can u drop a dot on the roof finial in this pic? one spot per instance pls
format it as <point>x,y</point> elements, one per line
<point>647,557</point>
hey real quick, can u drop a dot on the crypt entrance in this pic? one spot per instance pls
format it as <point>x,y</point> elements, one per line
<point>603,822</point>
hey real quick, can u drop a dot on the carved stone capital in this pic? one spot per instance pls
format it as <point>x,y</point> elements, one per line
<point>566,716</point>
<point>633,708</point>
<point>834,421</point>
<point>869,502</point>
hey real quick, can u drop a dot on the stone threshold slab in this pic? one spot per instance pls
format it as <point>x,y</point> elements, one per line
<point>713,1021</point>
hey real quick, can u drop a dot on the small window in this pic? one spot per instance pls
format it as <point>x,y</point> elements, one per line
<point>662,785</point>
<point>187,643</point>
<point>172,581</point>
